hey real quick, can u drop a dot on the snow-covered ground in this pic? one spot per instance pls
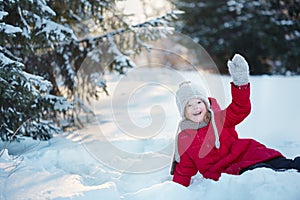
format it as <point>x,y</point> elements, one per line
<point>126,155</point>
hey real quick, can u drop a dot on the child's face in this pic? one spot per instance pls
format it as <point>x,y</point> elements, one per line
<point>195,110</point>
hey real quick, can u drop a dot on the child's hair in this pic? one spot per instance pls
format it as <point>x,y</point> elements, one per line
<point>207,117</point>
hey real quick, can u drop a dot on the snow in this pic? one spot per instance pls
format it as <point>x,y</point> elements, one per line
<point>3,14</point>
<point>38,81</point>
<point>46,9</point>
<point>119,58</point>
<point>7,61</point>
<point>9,29</point>
<point>53,30</point>
<point>89,163</point>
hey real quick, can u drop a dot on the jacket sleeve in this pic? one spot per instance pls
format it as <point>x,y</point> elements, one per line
<point>240,105</point>
<point>184,170</point>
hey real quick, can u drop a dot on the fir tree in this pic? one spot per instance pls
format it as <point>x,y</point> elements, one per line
<point>267,32</point>
<point>27,106</point>
<point>44,44</point>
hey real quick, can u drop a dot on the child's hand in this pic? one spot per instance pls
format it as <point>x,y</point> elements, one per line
<point>239,70</point>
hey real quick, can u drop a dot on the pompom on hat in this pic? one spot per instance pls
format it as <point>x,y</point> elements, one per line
<point>188,90</point>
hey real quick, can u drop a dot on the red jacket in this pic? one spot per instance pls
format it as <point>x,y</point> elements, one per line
<point>198,153</point>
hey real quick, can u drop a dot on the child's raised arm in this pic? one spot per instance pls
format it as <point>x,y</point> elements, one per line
<point>240,106</point>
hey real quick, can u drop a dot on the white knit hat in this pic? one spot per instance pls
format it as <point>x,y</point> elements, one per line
<point>186,91</point>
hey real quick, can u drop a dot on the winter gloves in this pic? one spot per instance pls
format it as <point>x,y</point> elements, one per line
<point>239,70</point>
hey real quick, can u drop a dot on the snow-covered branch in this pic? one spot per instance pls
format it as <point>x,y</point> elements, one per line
<point>159,21</point>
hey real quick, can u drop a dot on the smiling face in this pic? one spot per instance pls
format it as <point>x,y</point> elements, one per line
<point>195,110</point>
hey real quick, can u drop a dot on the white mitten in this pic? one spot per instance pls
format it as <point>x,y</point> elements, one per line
<point>239,70</point>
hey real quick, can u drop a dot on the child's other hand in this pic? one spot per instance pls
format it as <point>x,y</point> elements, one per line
<point>239,70</point>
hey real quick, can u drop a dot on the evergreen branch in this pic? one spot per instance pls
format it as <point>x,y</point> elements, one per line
<point>15,133</point>
<point>152,22</point>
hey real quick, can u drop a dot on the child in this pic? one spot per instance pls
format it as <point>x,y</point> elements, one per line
<point>206,140</point>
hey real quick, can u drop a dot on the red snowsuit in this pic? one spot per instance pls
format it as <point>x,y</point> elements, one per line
<point>198,153</point>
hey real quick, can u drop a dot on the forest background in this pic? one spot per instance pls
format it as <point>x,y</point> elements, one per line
<point>44,43</point>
